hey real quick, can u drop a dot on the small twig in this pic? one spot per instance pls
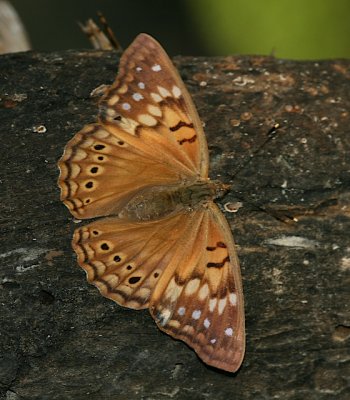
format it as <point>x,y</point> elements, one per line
<point>100,39</point>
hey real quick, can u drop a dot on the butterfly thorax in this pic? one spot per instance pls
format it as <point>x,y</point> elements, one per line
<point>160,201</point>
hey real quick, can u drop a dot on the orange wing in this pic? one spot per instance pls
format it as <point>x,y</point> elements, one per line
<point>126,259</point>
<point>101,170</point>
<point>149,93</point>
<point>184,267</point>
<point>149,134</point>
<point>199,298</point>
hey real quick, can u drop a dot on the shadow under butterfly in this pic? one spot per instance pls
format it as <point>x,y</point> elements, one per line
<point>164,244</point>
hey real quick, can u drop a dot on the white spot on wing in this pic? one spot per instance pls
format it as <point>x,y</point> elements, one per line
<point>154,110</point>
<point>100,134</point>
<point>123,89</point>
<point>173,291</point>
<point>128,125</point>
<point>164,316</point>
<point>141,85</point>
<point>222,305</point>
<point>213,341</point>
<point>156,68</point>
<point>206,323</point>
<point>156,97</point>
<point>111,278</point>
<point>138,69</point>
<point>137,96</point>
<point>212,304</point>
<point>192,286</point>
<point>111,112</point>
<point>164,92</point>
<point>188,329</point>
<point>126,106</point>
<point>181,311</point>
<point>147,119</point>
<point>196,314</point>
<point>113,100</point>
<point>144,292</point>
<point>203,293</point>
<point>174,324</point>
<point>228,331</point>
<point>176,92</point>
<point>233,298</point>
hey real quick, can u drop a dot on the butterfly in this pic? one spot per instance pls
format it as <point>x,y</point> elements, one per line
<point>163,244</point>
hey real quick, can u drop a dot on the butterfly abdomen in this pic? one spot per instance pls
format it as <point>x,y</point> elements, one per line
<point>151,204</point>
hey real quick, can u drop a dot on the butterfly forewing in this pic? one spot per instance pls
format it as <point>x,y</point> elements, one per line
<point>149,144</point>
<point>148,94</point>
<point>150,134</point>
<point>101,169</point>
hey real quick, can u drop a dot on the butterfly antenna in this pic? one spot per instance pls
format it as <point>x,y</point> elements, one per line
<point>285,217</point>
<point>270,135</point>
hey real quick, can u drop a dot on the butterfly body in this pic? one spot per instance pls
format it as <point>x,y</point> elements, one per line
<point>158,202</point>
<point>163,244</point>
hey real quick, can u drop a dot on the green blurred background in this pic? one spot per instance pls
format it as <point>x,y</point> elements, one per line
<point>298,29</point>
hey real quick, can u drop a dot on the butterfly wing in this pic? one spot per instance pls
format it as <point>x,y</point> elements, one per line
<point>184,266</point>
<point>190,281</point>
<point>199,297</point>
<point>126,259</point>
<point>148,93</point>
<point>149,134</point>
<point>101,170</point>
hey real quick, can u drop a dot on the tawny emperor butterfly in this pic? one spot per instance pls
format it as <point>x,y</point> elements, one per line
<point>165,245</point>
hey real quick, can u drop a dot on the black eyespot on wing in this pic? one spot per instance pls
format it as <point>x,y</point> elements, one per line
<point>134,279</point>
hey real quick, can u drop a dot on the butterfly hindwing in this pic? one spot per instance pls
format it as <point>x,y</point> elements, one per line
<point>125,260</point>
<point>201,300</point>
<point>191,281</point>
